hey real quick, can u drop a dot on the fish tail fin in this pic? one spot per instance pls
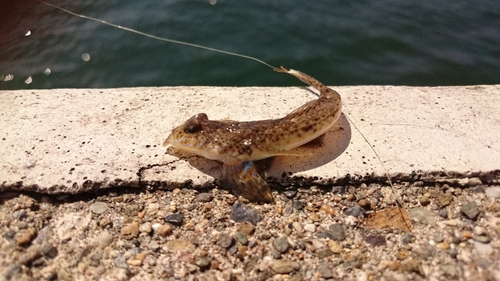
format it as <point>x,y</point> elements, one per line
<point>311,81</point>
<point>245,181</point>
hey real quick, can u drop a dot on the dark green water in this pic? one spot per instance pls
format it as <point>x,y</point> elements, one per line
<point>339,42</point>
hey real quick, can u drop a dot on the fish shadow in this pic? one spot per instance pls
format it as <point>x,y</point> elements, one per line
<point>282,169</point>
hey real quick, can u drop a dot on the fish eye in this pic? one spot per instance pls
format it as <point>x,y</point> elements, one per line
<point>193,125</point>
<point>192,128</point>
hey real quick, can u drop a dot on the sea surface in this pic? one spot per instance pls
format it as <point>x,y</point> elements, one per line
<point>339,42</point>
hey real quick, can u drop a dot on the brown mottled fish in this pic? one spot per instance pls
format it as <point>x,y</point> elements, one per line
<point>237,144</point>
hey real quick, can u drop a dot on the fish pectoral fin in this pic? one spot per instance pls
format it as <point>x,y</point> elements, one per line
<point>244,181</point>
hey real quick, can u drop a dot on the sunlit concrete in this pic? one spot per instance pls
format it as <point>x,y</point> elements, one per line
<point>72,140</point>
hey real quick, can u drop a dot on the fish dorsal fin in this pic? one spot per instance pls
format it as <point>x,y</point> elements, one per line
<point>301,110</point>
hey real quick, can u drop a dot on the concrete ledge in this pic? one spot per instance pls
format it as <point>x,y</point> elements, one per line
<point>74,140</point>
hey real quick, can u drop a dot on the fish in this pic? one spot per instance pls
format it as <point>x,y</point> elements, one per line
<point>238,144</point>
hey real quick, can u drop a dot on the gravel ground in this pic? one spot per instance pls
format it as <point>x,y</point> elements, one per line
<point>308,234</point>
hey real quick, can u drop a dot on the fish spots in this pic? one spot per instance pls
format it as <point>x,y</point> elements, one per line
<point>232,141</point>
<point>307,128</point>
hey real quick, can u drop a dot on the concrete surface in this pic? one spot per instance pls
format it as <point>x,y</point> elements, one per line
<point>73,140</point>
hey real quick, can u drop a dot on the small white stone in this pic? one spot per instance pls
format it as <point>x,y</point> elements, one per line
<point>493,192</point>
<point>297,226</point>
<point>482,249</point>
<point>153,208</point>
<point>479,230</point>
<point>310,227</point>
<point>145,227</point>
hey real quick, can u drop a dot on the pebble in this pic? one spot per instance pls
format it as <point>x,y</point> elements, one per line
<point>326,234</point>
<point>425,250</point>
<point>297,226</point>
<point>355,211</point>
<point>105,221</point>
<point>482,238</point>
<point>314,217</point>
<point>422,215</point>
<point>443,213</point>
<point>265,236</point>
<point>483,249</point>
<point>389,264</point>
<point>478,189</point>
<point>121,262</point>
<point>25,236</point>
<point>309,227</point>
<point>402,255</point>
<point>443,246</point>
<point>297,205</point>
<point>327,209</point>
<point>425,200</point>
<point>281,244</point>
<point>463,182</point>
<point>323,252</point>
<point>365,204</point>
<point>449,270</point>
<point>131,210</point>
<point>413,265</point>
<point>225,240</point>
<point>202,261</point>
<point>153,208</point>
<point>474,182</point>
<point>103,239</point>
<point>335,247</point>
<point>241,237</point>
<point>164,230</point>
<point>130,229</point>
<point>452,222</point>
<point>233,250</point>
<point>324,271</point>
<point>242,250</point>
<point>247,228</point>
<point>467,234</point>
<point>337,231</point>
<point>146,227</point>
<point>75,244</point>
<point>276,254</point>
<point>493,192</point>
<point>375,240</point>
<point>48,251</point>
<point>288,208</point>
<point>284,267</point>
<point>470,210</point>
<point>241,213</point>
<point>204,197</point>
<point>290,194</point>
<point>137,260</point>
<point>175,219</point>
<point>442,199</point>
<point>98,207</point>
<point>179,245</point>
<point>478,230</point>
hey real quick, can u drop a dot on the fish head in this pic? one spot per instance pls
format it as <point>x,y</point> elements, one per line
<point>190,136</point>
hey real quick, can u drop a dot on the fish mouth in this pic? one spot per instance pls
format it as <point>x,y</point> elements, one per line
<point>192,147</point>
<point>168,141</point>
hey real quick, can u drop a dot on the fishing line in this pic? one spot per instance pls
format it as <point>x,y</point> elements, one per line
<point>398,202</point>
<point>161,38</point>
<point>222,52</point>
